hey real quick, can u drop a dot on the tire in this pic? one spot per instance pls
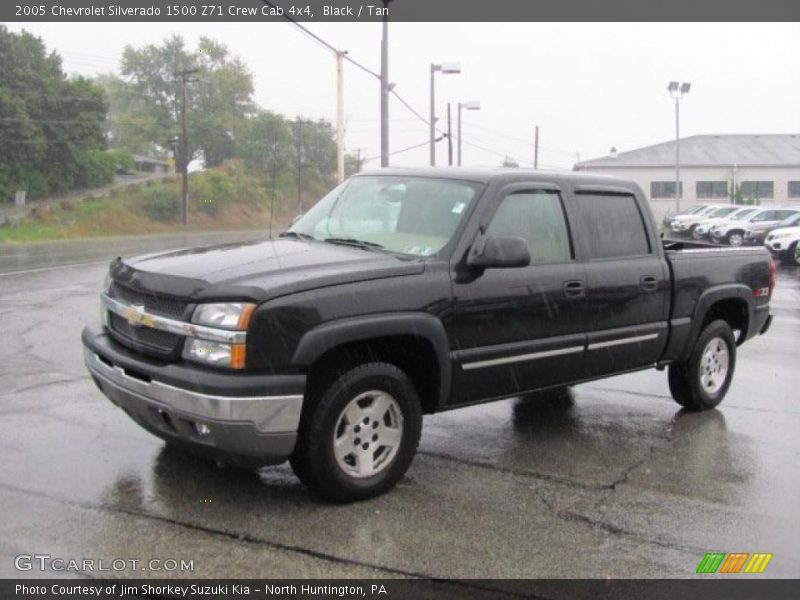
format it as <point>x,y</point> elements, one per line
<point>369,404</point>
<point>702,381</point>
<point>695,235</point>
<point>793,255</point>
<point>734,238</point>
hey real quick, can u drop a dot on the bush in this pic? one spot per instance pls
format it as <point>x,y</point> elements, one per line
<point>123,161</point>
<point>160,203</point>
<point>212,189</point>
<point>94,168</point>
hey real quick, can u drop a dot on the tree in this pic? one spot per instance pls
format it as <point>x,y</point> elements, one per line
<point>146,101</point>
<point>509,162</point>
<point>267,147</point>
<point>51,127</point>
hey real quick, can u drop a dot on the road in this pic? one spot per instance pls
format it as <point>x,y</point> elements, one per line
<point>608,480</point>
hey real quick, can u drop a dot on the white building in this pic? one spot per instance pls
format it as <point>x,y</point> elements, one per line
<point>764,168</point>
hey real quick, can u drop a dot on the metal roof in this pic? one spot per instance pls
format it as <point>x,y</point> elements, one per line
<point>766,150</point>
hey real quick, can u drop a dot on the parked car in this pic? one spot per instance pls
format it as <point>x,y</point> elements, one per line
<point>693,210</point>
<point>784,244</point>
<point>685,224</point>
<point>703,228</point>
<point>756,233</point>
<point>409,292</point>
<point>732,232</point>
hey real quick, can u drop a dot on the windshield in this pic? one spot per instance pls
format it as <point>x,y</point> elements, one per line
<point>790,221</point>
<point>408,215</point>
<point>722,212</point>
<point>742,213</point>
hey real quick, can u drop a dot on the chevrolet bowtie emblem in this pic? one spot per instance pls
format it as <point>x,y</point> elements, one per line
<point>136,316</point>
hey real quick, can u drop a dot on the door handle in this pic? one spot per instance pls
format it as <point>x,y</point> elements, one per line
<point>574,289</point>
<point>648,283</point>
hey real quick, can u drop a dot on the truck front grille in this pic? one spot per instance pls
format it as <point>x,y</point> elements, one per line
<point>146,339</point>
<point>152,303</point>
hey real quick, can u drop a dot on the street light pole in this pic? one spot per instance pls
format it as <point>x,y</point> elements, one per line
<point>385,87</point>
<point>678,91</point>
<point>445,68</point>
<point>340,116</point>
<point>471,105</point>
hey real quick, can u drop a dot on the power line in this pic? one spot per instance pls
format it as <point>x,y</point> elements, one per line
<point>406,149</point>
<point>318,39</point>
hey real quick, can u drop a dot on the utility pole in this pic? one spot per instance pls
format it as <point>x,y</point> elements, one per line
<point>340,115</point>
<point>299,163</point>
<point>385,87</point>
<point>183,75</point>
<point>449,138</point>
<point>536,149</point>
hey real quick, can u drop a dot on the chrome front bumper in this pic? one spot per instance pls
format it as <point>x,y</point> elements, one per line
<point>246,429</point>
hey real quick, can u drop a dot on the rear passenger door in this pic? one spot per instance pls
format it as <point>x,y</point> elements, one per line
<point>628,282</point>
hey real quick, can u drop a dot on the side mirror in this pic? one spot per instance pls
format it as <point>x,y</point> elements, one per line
<point>499,253</point>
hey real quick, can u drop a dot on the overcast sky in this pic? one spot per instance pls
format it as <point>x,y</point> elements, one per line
<point>588,86</point>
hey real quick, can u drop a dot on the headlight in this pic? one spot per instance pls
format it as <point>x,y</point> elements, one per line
<point>233,315</point>
<point>215,353</point>
<point>776,236</point>
<point>107,283</point>
<point>224,315</point>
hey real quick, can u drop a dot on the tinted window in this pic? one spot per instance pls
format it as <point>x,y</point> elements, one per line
<point>664,189</point>
<point>613,225</point>
<point>784,214</point>
<point>711,189</point>
<point>538,218</point>
<point>757,189</point>
<point>794,189</point>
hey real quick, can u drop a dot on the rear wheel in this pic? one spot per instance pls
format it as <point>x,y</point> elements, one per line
<point>735,238</point>
<point>701,382</point>
<point>360,436</point>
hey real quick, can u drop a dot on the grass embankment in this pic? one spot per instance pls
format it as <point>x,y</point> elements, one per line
<point>220,199</point>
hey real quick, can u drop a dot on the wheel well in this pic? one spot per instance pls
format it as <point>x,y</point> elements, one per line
<point>414,355</point>
<point>732,310</point>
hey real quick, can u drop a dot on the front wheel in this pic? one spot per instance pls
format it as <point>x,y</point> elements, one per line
<point>735,238</point>
<point>359,437</point>
<point>701,382</point>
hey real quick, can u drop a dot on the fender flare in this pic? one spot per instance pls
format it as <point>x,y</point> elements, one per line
<point>327,336</point>
<point>735,291</point>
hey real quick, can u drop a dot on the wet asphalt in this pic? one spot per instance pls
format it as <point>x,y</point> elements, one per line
<point>610,479</point>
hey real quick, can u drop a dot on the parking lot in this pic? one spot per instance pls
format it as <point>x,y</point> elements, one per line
<point>608,480</point>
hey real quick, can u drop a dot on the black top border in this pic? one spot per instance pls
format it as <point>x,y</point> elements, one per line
<point>243,11</point>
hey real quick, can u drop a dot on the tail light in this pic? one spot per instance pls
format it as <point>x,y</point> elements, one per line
<point>773,275</point>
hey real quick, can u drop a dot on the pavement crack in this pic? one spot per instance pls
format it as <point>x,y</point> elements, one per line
<point>46,384</point>
<point>517,472</point>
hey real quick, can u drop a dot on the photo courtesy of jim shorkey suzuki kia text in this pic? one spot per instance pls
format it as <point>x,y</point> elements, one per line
<point>178,590</point>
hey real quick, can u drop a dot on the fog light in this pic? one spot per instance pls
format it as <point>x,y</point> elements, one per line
<point>202,429</point>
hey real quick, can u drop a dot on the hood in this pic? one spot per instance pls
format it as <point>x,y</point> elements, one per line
<point>785,230</point>
<point>258,270</point>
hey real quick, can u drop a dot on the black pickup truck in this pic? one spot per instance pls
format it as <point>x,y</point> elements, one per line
<point>409,292</point>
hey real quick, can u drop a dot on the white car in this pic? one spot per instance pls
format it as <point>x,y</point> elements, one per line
<point>784,244</point>
<point>732,232</point>
<point>685,224</point>
<point>703,228</point>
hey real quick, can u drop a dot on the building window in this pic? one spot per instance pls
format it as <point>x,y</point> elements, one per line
<point>794,189</point>
<point>712,189</point>
<point>757,189</point>
<point>664,189</point>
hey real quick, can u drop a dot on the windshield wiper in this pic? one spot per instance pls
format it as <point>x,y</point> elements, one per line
<point>354,242</point>
<point>296,235</point>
